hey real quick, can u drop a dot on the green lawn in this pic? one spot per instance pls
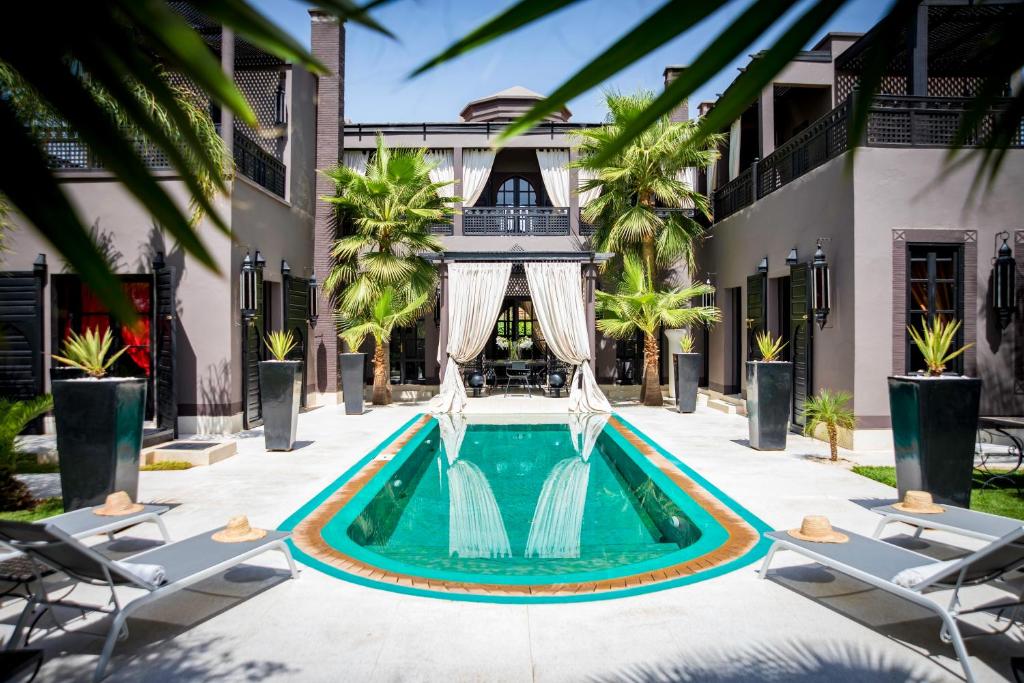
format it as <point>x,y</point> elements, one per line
<point>997,501</point>
<point>44,508</point>
<point>27,463</point>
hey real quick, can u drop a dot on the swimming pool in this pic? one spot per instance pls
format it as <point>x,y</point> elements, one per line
<point>531,509</point>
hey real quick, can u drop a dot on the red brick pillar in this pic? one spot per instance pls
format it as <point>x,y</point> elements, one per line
<point>327,37</point>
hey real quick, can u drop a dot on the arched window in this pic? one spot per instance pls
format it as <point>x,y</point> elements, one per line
<point>516,191</point>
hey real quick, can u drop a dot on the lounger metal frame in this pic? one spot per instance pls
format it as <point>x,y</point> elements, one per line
<point>112,577</point>
<point>948,613</point>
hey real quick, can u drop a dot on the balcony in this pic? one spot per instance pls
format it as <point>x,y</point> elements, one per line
<point>588,229</point>
<point>893,121</point>
<point>515,221</point>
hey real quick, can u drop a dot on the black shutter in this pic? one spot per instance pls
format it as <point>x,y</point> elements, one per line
<point>21,337</point>
<point>165,325</point>
<point>296,312</point>
<point>252,354</point>
<point>800,346</point>
<point>757,312</point>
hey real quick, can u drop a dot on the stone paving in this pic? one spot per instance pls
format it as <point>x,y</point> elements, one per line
<point>253,624</point>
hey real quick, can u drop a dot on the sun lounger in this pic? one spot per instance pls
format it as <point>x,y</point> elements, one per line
<point>913,576</point>
<point>182,564</point>
<point>953,519</point>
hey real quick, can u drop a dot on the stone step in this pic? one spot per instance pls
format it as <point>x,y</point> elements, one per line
<point>722,406</point>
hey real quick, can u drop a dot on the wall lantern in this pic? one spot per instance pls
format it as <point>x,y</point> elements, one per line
<point>821,287</point>
<point>259,261</point>
<point>314,301</point>
<point>247,287</point>
<point>762,267</point>
<point>707,299</point>
<point>792,259</point>
<point>1004,287</point>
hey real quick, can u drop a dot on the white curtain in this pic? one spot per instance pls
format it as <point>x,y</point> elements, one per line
<point>355,160</point>
<point>734,149</point>
<point>443,161</point>
<point>688,177</point>
<point>585,430</point>
<point>558,305</point>
<point>475,293</point>
<point>587,196</point>
<point>453,432</point>
<point>476,167</point>
<point>555,172</point>
<point>558,517</point>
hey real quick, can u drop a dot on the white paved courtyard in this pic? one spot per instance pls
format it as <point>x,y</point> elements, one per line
<point>254,624</point>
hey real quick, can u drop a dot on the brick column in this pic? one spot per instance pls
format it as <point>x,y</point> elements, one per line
<point>327,38</point>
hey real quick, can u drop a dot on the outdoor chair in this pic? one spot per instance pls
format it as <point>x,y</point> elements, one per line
<point>183,564</point>
<point>518,371</point>
<point>957,520</point>
<point>914,577</point>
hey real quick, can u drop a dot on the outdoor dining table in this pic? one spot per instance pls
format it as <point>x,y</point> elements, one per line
<point>1002,425</point>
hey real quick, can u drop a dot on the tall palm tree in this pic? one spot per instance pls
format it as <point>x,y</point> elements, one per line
<point>392,308</point>
<point>633,182</point>
<point>637,304</point>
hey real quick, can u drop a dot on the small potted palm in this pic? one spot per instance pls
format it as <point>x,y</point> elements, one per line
<point>769,394</point>
<point>935,419</point>
<point>98,421</point>
<point>687,373</point>
<point>280,392</point>
<point>829,409</point>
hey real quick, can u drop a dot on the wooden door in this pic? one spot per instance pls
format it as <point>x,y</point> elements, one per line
<point>757,311</point>
<point>800,346</point>
<point>165,324</point>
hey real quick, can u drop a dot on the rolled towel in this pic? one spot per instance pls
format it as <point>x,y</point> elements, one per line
<point>912,576</point>
<point>153,574</point>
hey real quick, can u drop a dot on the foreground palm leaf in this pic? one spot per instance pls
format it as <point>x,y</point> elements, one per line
<point>89,352</point>
<point>637,305</point>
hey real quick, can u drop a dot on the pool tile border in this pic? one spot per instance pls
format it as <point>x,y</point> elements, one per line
<point>742,537</point>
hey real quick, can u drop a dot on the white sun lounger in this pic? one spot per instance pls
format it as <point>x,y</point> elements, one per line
<point>953,519</point>
<point>878,563</point>
<point>184,563</point>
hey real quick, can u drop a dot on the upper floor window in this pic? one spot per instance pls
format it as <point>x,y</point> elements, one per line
<point>516,191</point>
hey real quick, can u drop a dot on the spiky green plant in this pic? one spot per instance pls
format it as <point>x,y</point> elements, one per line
<point>89,352</point>
<point>14,416</point>
<point>769,346</point>
<point>686,341</point>
<point>280,343</point>
<point>933,341</point>
<point>830,409</point>
<point>637,304</point>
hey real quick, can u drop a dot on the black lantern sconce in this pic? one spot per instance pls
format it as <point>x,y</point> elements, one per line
<point>1004,285</point>
<point>821,287</point>
<point>247,287</point>
<point>314,301</point>
<point>792,259</point>
<point>762,267</point>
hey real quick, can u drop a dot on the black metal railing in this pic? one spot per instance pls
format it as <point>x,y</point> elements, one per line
<point>66,150</point>
<point>515,220</point>
<point>442,229</point>
<point>587,229</point>
<point>257,164</point>
<point>893,121</point>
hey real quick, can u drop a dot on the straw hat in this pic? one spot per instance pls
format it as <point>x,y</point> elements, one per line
<point>817,529</point>
<point>118,503</point>
<point>239,531</point>
<point>919,502</point>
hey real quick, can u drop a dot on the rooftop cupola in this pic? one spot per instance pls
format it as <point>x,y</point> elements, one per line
<point>508,105</point>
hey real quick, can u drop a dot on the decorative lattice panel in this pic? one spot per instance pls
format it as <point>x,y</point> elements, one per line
<point>517,285</point>
<point>264,91</point>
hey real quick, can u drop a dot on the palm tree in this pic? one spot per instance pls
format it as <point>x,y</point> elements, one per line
<point>638,305</point>
<point>829,408</point>
<point>392,308</point>
<point>635,180</point>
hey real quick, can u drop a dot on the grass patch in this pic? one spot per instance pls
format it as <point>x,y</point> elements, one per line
<point>166,465</point>
<point>47,507</point>
<point>28,463</point>
<point>1003,501</point>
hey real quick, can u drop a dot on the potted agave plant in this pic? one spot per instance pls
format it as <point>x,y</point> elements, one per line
<point>769,395</point>
<point>935,419</point>
<point>98,421</point>
<point>829,409</point>
<point>280,392</point>
<point>687,374</point>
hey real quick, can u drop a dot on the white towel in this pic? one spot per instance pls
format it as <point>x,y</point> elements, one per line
<point>150,573</point>
<point>911,576</point>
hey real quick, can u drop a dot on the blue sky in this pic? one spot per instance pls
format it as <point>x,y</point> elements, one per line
<point>539,57</point>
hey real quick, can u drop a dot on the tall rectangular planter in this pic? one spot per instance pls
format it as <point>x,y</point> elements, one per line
<point>934,425</point>
<point>769,395</point>
<point>280,394</point>
<point>352,365</point>
<point>99,436</point>
<point>687,376</point>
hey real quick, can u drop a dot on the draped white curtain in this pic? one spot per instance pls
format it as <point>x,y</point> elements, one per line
<point>355,160</point>
<point>476,167</point>
<point>587,196</point>
<point>443,161</point>
<point>475,293</point>
<point>734,149</point>
<point>585,429</point>
<point>688,177</point>
<point>555,172</point>
<point>558,304</point>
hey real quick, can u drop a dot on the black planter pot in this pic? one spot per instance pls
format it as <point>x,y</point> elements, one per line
<point>687,376</point>
<point>99,435</point>
<point>769,396</point>
<point>280,394</point>
<point>352,367</point>
<point>934,425</point>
